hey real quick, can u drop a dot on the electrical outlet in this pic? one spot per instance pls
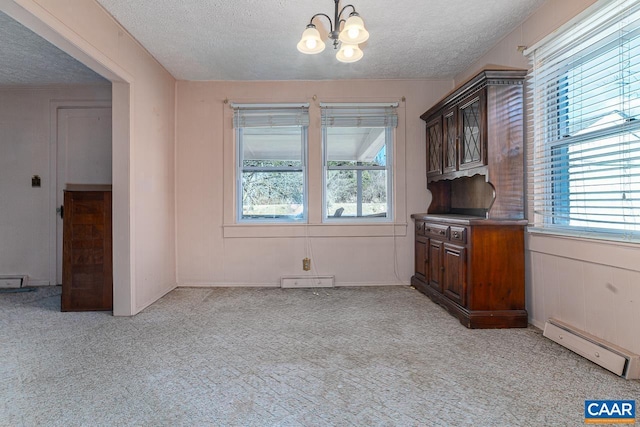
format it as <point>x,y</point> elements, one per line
<point>306,264</point>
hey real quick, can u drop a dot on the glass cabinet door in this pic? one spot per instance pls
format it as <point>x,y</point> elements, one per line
<point>450,140</point>
<point>471,133</point>
<point>434,147</point>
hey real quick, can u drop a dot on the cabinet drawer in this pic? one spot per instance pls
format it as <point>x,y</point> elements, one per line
<point>420,228</point>
<point>439,230</point>
<point>458,234</point>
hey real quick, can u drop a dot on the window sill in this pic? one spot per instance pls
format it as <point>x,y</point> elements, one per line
<point>585,236</point>
<point>595,251</point>
<point>315,230</point>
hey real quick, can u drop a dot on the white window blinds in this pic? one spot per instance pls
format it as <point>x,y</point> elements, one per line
<point>270,115</point>
<point>359,115</point>
<point>585,115</point>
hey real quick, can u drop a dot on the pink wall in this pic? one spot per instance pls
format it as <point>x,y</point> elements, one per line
<point>143,146</point>
<point>214,251</point>
<point>594,286</point>
<point>27,217</point>
<point>546,19</point>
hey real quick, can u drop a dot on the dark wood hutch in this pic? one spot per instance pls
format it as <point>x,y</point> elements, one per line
<point>469,245</point>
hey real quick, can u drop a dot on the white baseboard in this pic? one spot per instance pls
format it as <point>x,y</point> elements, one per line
<point>227,285</point>
<point>277,285</point>
<point>40,283</point>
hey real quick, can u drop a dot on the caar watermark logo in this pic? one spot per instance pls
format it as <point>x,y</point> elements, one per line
<point>609,411</point>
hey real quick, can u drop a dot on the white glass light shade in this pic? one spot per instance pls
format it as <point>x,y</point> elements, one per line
<point>349,53</point>
<point>311,43</point>
<point>353,31</point>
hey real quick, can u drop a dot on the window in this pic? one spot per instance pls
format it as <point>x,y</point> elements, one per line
<point>358,149</point>
<point>272,157</point>
<point>585,94</point>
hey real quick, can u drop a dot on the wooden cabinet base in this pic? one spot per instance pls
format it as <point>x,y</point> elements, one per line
<point>87,273</point>
<point>474,319</point>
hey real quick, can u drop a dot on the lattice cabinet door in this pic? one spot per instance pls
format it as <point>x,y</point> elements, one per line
<point>434,146</point>
<point>450,140</point>
<point>472,132</point>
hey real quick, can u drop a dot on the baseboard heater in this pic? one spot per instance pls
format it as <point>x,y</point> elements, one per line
<point>13,282</point>
<point>307,281</point>
<point>610,356</point>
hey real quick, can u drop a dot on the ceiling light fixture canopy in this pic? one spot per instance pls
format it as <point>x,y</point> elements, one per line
<point>352,34</point>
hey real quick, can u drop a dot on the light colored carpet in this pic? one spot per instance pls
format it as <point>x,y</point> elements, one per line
<point>273,357</point>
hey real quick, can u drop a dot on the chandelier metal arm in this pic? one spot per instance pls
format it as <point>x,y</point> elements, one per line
<point>339,20</point>
<point>326,16</point>
<point>334,29</point>
<point>340,14</point>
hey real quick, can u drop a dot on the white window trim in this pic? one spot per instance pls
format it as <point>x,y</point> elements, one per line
<point>303,168</point>
<point>314,227</point>
<point>386,229</point>
<point>390,167</point>
<point>570,33</point>
<point>240,169</point>
<point>326,218</point>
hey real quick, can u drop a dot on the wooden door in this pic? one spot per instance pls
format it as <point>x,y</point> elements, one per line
<point>454,280</point>
<point>83,156</point>
<point>87,282</point>
<point>435,264</point>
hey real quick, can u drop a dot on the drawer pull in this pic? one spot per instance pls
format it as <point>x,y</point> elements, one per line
<point>456,234</point>
<point>442,232</point>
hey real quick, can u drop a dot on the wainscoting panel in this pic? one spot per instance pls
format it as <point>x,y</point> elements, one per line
<point>599,300</point>
<point>570,290</point>
<point>587,286</point>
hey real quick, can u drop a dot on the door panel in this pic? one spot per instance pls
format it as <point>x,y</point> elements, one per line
<point>422,263</point>
<point>454,281</point>
<point>435,264</point>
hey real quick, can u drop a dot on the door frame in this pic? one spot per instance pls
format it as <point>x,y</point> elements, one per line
<point>39,20</point>
<point>54,108</point>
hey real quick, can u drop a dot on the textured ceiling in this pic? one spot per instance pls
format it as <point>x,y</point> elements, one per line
<point>256,39</point>
<point>27,59</point>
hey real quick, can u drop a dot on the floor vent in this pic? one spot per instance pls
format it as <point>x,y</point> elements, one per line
<point>307,282</point>
<point>610,356</point>
<point>13,282</point>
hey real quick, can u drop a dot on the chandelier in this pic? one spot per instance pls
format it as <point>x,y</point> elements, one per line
<point>352,34</point>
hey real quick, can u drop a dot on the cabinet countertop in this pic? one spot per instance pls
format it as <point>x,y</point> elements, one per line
<point>467,219</point>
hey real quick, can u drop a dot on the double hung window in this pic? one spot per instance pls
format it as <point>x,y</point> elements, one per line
<point>585,99</point>
<point>272,157</point>
<point>358,148</point>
